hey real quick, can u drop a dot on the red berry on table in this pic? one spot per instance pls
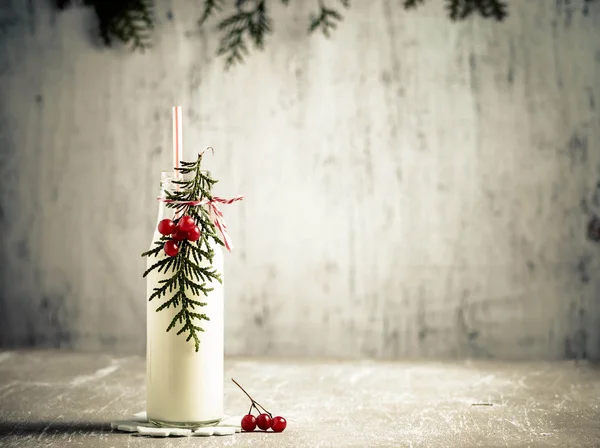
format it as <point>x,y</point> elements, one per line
<point>166,227</point>
<point>248,422</point>
<point>263,421</point>
<point>278,424</point>
<point>179,235</point>
<point>194,234</point>
<point>186,223</point>
<point>171,248</point>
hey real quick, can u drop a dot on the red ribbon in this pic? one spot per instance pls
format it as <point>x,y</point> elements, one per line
<point>215,212</point>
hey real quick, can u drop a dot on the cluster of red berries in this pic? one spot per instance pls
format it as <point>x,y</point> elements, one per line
<point>264,422</point>
<point>184,228</point>
<point>265,419</point>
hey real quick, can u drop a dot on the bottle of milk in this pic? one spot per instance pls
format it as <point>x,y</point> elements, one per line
<point>184,387</point>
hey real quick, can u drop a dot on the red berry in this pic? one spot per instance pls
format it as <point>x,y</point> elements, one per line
<point>278,424</point>
<point>263,421</point>
<point>166,227</point>
<point>248,422</point>
<point>194,234</point>
<point>186,223</point>
<point>171,248</point>
<point>179,235</point>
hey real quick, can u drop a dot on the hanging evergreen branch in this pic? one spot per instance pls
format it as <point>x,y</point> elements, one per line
<point>326,20</point>
<point>461,9</point>
<point>210,8</point>
<point>412,4</point>
<point>128,21</point>
<point>188,278</point>
<point>253,23</point>
<point>132,21</point>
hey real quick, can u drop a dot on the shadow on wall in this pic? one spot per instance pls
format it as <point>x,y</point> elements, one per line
<point>593,228</point>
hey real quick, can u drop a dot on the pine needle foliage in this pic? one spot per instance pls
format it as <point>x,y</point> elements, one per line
<point>132,21</point>
<point>239,28</point>
<point>248,23</point>
<point>253,23</point>
<point>326,19</point>
<point>210,7</point>
<point>411,4</point>
<point>191,269</point>
<point>128,21</point>
<point>461,9</point>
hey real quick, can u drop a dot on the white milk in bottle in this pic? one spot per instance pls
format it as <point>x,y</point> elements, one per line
<point>183,387</point>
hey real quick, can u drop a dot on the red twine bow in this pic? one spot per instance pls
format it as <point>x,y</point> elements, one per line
<point>215,212</point>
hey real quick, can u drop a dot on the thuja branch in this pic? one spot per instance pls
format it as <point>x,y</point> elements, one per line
<point>248,22</point>
<point>253,24</point>
<point>128,21</point>
<point>326,20</point>
<point>249,25</point>
<point>189,270</point>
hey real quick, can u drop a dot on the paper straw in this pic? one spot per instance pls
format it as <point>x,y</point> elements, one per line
<point>177,138</point>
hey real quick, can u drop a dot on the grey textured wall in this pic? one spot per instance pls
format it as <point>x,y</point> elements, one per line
<point>414,187</point>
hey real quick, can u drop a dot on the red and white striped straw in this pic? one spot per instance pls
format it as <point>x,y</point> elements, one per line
<point>177,138</point>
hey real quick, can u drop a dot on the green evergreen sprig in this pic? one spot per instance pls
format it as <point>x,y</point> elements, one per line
<point>248,22</point>
<point>128,21</point>
<point>253,23</point>
<point>210,7</point>
<point>245,27</point>
<point>461,9</point>
<point>410,4</point>
<point>327,18</point>
<point>189,278</point>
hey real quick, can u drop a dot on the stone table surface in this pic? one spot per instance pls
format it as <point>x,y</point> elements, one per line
<point>62,399</point>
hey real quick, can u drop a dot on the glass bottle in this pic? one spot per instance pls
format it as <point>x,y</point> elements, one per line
<point>184,388</point>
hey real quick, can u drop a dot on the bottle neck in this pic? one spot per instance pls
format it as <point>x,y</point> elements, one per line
<point>169,183</point>
<point>165,211</point>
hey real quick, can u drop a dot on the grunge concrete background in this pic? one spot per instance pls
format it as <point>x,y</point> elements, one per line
<point>414,187</point>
